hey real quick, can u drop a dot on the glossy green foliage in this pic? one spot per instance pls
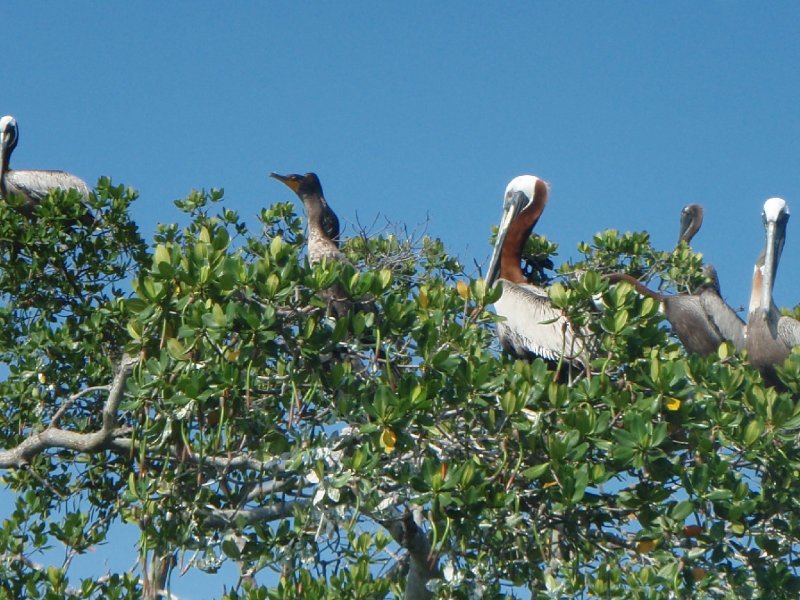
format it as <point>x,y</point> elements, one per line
<point>677,270</point>
<point>259,429</point>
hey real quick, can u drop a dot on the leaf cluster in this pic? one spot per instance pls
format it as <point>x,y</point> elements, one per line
<point>261,428</point>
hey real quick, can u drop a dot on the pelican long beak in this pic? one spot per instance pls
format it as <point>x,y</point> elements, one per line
<point>686,220</point>
<point>287,181</point>
<point>3,152</point>
<point>512,208</point>
<point>774,247</point>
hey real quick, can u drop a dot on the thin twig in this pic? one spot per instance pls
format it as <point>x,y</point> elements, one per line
<point>72,399</point>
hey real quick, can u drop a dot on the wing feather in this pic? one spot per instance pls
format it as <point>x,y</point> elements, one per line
<point>36,184</point>
<point>533,327</point>
<point>730,326</point>
<point>789,331</point>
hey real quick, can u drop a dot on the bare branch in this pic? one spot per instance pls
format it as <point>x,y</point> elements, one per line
<point>72,399</point>
<point>234,462</point>
<point>115,395</point>
<point>220,519</point>
<point>265,489</point>
<point>53,437</point>
<point>423,564</point>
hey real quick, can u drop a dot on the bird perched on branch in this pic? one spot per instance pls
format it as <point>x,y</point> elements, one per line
<point>533,327</point>
<point>770,336</point>
<point>32,185</point>
<point>323,224</point>
<point>323,233</point>
<point>702,320</point>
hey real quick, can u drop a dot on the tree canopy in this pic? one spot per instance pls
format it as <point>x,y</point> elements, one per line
<point>198,387</point>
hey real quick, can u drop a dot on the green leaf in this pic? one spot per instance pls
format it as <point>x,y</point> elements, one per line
<point>230,548</point>
<point>161,255</point>
<point>620,321</point>
<point>478,288</point>
<point>276,246</point>
<point>176,349</point>
<point>536,471</point>
<point>718,495</point>
<point>134,329</point>
<point>682,510</point>
<point>385,278</point>
<point>558,295</point>
<point>753,431</point>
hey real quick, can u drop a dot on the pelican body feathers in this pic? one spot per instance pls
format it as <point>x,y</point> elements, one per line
<point>531,326</point>
<point>32,185</point>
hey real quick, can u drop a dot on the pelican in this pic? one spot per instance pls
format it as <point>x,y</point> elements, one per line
<point>702,320</point>
<point>32,185</point>
<point>770,336</point>
<point>691,220</point>
<point>532,326</point>
<point>323,232</point>
<point>323,224</point>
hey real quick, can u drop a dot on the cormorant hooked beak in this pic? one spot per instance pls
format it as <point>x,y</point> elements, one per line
<point>288,180</point>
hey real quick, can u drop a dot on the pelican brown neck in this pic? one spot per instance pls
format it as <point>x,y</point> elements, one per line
<point>524,200</point>
<point>637,285</point>
<point>507,253</point>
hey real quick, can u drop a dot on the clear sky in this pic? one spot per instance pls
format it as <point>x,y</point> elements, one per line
<point>420,110</point>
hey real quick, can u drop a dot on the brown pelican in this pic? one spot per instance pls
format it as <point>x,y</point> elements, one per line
<point>32,185</point>
<point>323,232</point>
<point>770,336</point>
<point>323,224</point>
<point>702,320</point>
<point>691,220</point>
<point>532,326</point>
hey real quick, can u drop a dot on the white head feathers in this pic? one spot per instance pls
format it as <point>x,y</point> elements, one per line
<point>7,122</point>
<point>522,183</point>
<point>774,207</point>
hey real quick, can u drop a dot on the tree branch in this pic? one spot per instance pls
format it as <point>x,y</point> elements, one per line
<point>222,518</point>
<point>34,566</point>
<point>235,462</point>
<point>423,564</point>
<point>53,437</point>
<point>72,399</point>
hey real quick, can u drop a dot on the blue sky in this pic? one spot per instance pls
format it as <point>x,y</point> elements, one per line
<point>420,110</point>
